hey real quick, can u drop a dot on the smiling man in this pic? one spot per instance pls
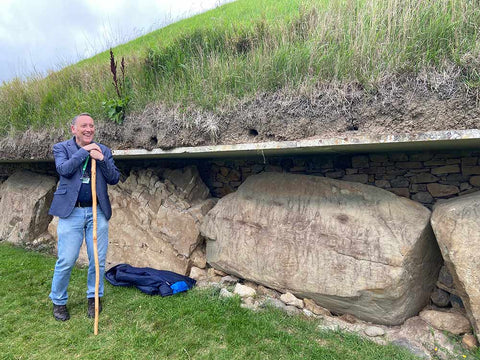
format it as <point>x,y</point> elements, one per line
<point>72,203</point>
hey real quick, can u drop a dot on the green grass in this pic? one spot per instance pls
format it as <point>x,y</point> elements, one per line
<point>215,60</point>
<point>193,325</point>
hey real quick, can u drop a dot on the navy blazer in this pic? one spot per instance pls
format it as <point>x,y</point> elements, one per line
<point>148,280</point>
<point>68,161</point>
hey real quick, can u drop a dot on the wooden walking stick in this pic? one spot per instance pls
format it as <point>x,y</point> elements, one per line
<point>95,247</point>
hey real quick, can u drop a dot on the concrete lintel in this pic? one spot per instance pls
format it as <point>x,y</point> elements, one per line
<point>428,141</point>
<point>435,140</point>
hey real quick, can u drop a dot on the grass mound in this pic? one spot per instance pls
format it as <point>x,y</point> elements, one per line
<point>217,59</point>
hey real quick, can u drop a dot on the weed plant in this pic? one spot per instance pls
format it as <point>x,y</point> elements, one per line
<point>216,59</point>
<point>192,325</point>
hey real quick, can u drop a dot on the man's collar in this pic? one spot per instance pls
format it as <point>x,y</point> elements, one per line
<point>74,139</point>
<point>75,142</point>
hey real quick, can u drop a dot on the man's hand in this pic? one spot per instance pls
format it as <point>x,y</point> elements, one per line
<point>95,151</point>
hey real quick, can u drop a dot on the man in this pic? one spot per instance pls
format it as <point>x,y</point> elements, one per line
<point>72,203</point>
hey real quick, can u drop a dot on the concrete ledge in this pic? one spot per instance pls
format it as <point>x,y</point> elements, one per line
<point>435,140</point>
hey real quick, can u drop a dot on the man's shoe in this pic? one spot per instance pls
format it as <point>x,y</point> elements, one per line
<point>60,312</point>
<point>91,307</point>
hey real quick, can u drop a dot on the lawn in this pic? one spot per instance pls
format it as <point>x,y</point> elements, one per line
<point>192,325</point>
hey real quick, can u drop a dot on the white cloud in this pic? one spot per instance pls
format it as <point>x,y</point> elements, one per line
<point>41,35</point>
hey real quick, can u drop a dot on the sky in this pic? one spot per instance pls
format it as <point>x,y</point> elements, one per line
<point>37,36</point>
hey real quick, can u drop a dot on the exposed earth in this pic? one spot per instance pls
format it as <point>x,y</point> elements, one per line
<point>430,102</point>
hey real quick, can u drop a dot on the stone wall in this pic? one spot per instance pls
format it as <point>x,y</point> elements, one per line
<point>421,176</point>
<point>41,167</point>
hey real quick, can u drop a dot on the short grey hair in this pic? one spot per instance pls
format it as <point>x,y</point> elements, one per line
<point>74,120</point>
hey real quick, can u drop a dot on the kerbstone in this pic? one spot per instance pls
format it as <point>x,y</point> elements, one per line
<point>352,248</point>
<point>456,223</point>
<point>24,202</point>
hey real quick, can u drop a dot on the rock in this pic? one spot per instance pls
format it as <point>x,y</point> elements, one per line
<point>225,293</point>
<point>44,242</point>
<point>475,180</point>
<point>360,161</point>
<point>439,190</point>
<point>344,245</point>
<point>456,223</point>
<point>24,205</point>
<point>198,274</point>
<point>229,280</point>
<point>308,313</point>
<point>203,284</point>
<point>470,170</point>
<point>421,339</point>
<point>452,322</point>
<point>292,310</point>
<point>456,302</point>
<point>244,291</point>
<point>440,297</point>
<point>469,341</point>
<point>447,169</point>
<point>465,186</point>
<point>337,323</point>
<point>424,178</point>
<point>445,277</point>
<point>198,257</point>
<point>292,300</point>
<point>249,303</point>
<point>409,165</point>
<point>423,197</point>
<point>374,331</point>
<point>262,290</point>
<point>214,279</point>
<point>155,222</point>
<point>349,318</point>
<point>404,192</point>
<point>316,309</point>
<point>276,303</point>
<point>211,273</point>
<point>187,183</point>
<point>251,284</point>
<point>413,348</point>
<point>384,184</point>
<point>220,273</point>
<point>399,182</point>
<point>359,178</point>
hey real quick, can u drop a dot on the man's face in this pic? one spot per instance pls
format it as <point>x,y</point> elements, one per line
<point>83,130</point>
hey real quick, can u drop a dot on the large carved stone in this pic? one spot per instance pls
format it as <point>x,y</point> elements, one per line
<point>350,247</point>
<point>24,204</point>
<point>456,223</point>
<point>155,221</point>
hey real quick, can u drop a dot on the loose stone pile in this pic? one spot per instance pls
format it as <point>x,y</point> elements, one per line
<point>424,335</point>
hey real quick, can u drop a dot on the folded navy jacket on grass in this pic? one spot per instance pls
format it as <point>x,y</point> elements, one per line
<point>148,280</point>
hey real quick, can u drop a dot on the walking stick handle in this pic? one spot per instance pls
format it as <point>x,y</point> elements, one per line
<point>95,246</point>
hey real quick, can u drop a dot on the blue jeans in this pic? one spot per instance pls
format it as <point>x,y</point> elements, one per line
<point>71,231</point>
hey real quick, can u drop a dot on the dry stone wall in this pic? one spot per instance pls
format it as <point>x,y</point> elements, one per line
<point>421,176</point>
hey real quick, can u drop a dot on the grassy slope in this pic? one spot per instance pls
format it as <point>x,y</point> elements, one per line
<point>216,59</point>
<point>193,325</point>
